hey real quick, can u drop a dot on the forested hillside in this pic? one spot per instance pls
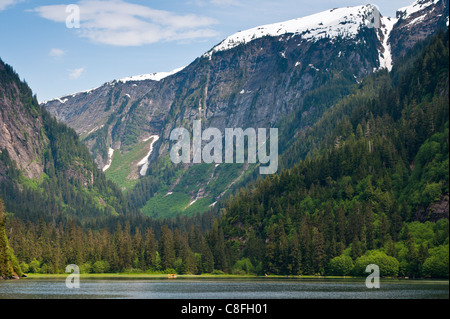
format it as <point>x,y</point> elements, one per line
<point>373,185</point>
<point>46,173</point>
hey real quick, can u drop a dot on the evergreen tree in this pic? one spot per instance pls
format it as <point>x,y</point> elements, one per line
<point>166,248</point>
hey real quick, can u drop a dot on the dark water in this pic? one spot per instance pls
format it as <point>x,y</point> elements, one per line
<point>224,289</point>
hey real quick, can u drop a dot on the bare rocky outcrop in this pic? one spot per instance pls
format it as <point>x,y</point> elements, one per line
<point>434,212</point>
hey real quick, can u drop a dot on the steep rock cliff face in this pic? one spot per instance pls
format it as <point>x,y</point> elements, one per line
<point>21,129</point>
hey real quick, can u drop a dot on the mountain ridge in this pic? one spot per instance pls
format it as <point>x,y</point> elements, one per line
<point>367,17</point>
<point>285,27</point>
<point>339,22</point>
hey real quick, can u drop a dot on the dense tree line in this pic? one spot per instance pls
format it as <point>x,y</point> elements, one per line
<point>47,248</point>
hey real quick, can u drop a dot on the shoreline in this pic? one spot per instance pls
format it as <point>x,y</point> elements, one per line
<point>112,276</point>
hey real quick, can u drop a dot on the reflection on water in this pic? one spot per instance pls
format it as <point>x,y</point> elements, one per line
<point>225,289</point>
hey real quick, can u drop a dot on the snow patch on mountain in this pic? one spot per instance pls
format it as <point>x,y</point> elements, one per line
<point>151,76</point>
<point>385,55</point>
<point>417,6</point>
<point>344,22</point>
<point>110,158</point>
<point>144,162</point>
<point>158,76</point>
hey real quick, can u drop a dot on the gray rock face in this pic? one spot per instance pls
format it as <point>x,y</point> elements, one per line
<point>20,130</point>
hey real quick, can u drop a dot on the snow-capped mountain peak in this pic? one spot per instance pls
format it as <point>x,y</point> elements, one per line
<point>158,76</point>
<point>344,22</point>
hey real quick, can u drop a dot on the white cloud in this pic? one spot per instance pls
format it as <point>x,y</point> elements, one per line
<point>76,73</point>
<point>226,2</point>
<point>120,23</point>
<point>55,52</point>
<point>222,3</point>
<point>7,3</point>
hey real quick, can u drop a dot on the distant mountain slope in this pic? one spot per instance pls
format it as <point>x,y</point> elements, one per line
<point>254,78</point>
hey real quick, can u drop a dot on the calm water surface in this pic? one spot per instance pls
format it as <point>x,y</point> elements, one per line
<point>224,289</point>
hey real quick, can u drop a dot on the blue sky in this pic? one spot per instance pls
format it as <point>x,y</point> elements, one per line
<point>120,38</point>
